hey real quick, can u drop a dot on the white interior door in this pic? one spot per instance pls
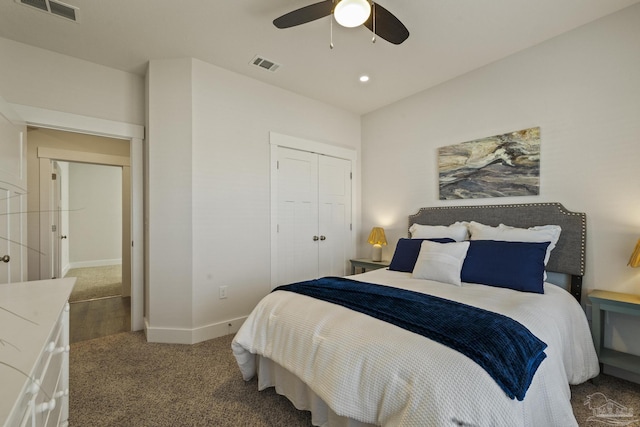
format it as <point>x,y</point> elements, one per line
<point>334,226</point>
<point>56,220</point>
<point>13,183</point>
<point>13,236</point>
<point>297,215</point>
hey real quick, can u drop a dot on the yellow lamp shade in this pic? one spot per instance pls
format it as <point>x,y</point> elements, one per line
<point>634,261</point>
<point>377,237</point>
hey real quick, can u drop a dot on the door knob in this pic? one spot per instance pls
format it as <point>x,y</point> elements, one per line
<point>63,237</point>
<point>5,258</point>
<point>323,238</point>
<point>315,238</point>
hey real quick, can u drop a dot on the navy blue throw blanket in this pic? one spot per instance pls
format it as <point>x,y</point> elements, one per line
<point>504,348</point>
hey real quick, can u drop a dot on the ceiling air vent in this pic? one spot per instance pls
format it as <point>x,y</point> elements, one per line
<point>261,62</point>
<point>54,8</point>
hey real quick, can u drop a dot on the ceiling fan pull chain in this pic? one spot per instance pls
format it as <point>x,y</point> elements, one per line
<point>373,6</point>
<point>331,33</point>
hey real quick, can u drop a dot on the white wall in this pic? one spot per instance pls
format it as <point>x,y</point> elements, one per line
<point>583,90</point>
<point>41,78</point>
<point>215,205</point>
<point>168,282</point>
<point>95,217</point>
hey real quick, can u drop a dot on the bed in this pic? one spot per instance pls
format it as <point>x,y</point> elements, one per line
<point>351,369</point>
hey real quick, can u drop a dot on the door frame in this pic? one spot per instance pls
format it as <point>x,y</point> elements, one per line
<point>135,134</point>
<point>56,214</point>
<point>46,157</point>
<point>279,140</point>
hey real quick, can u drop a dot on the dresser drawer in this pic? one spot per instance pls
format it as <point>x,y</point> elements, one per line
<point>43,398</point>
<point>40,393</point>
<point>48,403</point>
<point>54,341</point>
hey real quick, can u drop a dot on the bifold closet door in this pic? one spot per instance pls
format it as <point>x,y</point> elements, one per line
<point>314,215</point>
<point>334,222</point>
<point>297,215</point>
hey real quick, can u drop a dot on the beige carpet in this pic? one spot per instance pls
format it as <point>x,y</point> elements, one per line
<point>121,380</point>
<point>96,282</point>
<point>611,391</point>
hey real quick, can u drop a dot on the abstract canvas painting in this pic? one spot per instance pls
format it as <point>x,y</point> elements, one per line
<point>498,166</point>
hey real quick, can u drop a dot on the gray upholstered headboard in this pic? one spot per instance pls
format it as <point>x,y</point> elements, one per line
<point>568,257</point>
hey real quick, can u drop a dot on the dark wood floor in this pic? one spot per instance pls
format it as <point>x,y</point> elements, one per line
<point>99,318</point>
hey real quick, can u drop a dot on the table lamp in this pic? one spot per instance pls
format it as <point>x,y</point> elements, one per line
<point>377,239</point>
<point>634,261</point>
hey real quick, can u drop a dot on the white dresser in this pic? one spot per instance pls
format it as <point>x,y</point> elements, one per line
<point>34,353</point>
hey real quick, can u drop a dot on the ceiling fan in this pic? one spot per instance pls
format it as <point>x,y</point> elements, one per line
<point>373,16</point>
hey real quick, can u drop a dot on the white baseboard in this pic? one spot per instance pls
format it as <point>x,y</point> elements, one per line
<point>192,336</point>
<point>167,335</point>
<point>94,263</point>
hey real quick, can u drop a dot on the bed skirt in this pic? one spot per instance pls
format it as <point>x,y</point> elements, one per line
<point>271,374</point>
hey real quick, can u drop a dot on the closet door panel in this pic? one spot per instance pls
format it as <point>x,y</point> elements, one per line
<point>334,226</point>
<point>297,215</point>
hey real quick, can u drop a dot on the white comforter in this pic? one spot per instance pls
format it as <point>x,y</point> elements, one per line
<point>378,373</point>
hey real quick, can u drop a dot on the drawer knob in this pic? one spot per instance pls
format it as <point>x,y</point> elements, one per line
<point>61,393</point>
<point>34,387</point>
<point>61,349</point>
<point>46,406</point>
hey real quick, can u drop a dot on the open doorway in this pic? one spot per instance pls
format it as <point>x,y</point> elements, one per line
<point>35,117</point>
<point>90,228</point>
<point>90,247</point>
<point>81,204</point>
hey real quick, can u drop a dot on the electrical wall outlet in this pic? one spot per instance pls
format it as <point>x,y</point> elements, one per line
<point>223,292</point>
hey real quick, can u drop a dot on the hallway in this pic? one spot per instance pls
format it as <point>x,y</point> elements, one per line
<point>99,318</point>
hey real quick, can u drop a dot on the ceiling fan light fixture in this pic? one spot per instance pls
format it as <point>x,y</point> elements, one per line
<point>352,13</point>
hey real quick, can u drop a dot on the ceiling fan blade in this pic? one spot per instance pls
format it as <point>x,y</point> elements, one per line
<point>305,14</point>
<point>387,25</point>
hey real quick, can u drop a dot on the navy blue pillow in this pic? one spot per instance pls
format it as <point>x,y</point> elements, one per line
<point>407,251</point>
<point>513,265</point>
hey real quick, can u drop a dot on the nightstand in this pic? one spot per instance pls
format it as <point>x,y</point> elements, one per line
<point>367,264</point>
<point>618,303</point>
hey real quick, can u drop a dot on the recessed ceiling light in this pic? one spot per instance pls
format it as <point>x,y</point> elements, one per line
<point>364,78</point>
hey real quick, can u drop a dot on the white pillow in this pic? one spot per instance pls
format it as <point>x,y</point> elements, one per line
<point>540,233</point>
<point>478,231</point>
<point>441,262</point>
<point>456,231</point>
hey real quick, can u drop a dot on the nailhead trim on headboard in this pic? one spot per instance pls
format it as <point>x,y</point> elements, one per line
<point>569,255</point>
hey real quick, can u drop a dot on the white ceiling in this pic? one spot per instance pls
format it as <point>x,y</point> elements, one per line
<point>447,38</point>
